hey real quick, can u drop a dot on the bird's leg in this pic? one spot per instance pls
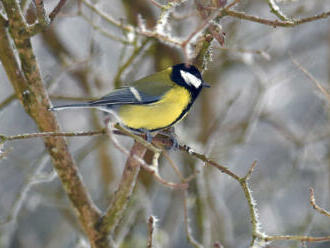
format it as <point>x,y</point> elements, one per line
<point>170,133</point>
<point>147,135</point>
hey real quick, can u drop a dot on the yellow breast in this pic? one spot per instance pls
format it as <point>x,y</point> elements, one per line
<point>156,115</point>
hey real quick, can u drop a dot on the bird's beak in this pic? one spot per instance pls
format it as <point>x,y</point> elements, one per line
<point>205,85</point>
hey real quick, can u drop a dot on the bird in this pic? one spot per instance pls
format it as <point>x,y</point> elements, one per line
<point>153,103</point>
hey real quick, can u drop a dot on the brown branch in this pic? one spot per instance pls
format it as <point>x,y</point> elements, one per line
<point>7,101</point>
<point>51,134</point>
<point>158,5</point>
<point>232,4</point>
<point>119,202</point>
<point>56,10</point>
<point>296,238</point>
<point>23,72</point>
<point>252,204</point>
<point>275,23</point>
<point>205,159</point>
<point>315,206</point>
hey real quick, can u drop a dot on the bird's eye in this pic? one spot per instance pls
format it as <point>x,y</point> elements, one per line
<point>191,79</point>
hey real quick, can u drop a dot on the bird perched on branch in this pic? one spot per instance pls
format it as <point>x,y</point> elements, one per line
<point>152,103</point>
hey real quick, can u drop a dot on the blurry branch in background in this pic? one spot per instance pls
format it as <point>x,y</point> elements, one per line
<point>188,230</point>
<point>315,206</point>
<point>275,23</point>
<point>37,177</point>
<point>136,53</point>
<point>324,91</point>
<point>217,245</point>
<point>262,53</point>
<point>151,231</point>
<point>7,101</point>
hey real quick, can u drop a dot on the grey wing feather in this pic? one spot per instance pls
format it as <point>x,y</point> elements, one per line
<point>127,95</point>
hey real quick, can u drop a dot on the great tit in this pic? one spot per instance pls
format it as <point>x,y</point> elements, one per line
<point>152,103</point>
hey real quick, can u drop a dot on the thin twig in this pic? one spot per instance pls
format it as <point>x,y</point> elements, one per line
<point>22,195</point>
<point>248,174</point>
<point>296,238</point>
<point>252,204</point>
<point>277,11</point>
<point>315,206</point>
<point>56,10</point>
<point>262,53</point>
<point>173,165</point>
<point>275,23</point>
<point>205,159</point>
<point>206,23</point>
<point>7,101</point>
<point>51,134</point>
<point>108,18</point>
<point>232,4</point>
<point>104,32</point>
<point>136,52</point>
<point>154,2</point>
<point>189,235</point>
<point>312,78</point>
<point>177,171</point>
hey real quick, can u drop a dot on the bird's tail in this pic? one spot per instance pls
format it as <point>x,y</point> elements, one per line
<point>69,106</point>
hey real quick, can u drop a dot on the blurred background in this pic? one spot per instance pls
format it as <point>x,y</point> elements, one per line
<point>261,106</point>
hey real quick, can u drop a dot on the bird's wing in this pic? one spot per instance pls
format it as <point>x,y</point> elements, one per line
<point>144,91</point>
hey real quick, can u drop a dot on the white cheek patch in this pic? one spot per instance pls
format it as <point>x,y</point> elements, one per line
<point>191,79</point>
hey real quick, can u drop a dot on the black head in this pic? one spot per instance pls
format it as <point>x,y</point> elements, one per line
<point>189,77</point>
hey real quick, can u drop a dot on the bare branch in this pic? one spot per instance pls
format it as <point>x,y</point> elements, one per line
<point>203,158</point>
<point>24,75</point>
<point>51,134</point>
<point>121,197</point>
<point>56,10</point>
<point>277,11</point>
<point>7,101</point>
<point>232,4</point>
<point>151,230</point>
<point>190,237</point>
<point>296,238</point>
<point>315,206</point>
<point>154,2</point>
<point>312,78</point>
<point>21,197</point>
<point>275,23</point>
<point>253,165</point>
